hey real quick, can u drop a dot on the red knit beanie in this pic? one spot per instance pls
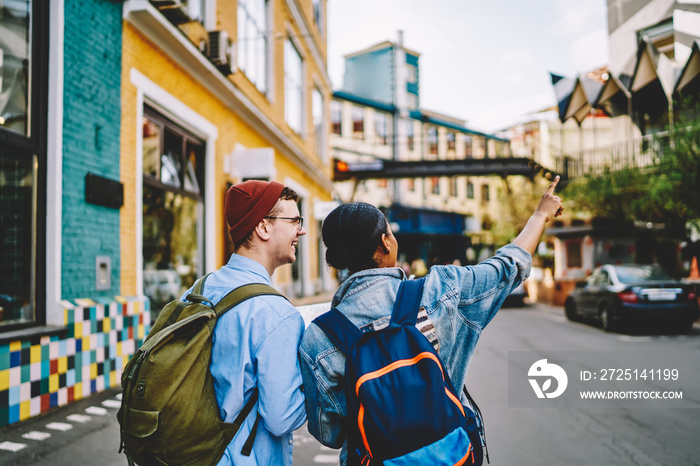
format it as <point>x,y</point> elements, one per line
<point>247,204</point>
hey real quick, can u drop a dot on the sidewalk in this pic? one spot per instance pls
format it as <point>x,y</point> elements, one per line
<point>84,432</point>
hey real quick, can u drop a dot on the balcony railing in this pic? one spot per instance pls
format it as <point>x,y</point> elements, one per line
<point>639,152</point>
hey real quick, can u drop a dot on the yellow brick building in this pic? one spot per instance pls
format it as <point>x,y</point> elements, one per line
<point>213,93</point>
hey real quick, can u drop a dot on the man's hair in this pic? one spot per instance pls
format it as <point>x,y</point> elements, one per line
<point>287,194</point>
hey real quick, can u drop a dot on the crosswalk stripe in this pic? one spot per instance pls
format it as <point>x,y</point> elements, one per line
<point>34,435</point>
<point>81,418</point>
<point>62,426</point>
<point>96,410</point>
<point>111,404</point>
<point>12,446</point>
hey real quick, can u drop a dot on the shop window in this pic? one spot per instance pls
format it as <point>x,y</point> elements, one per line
<point>173,208</point>
<point>23,131</point>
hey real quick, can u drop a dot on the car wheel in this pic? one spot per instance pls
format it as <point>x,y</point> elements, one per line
<point>605,320</point>
<point>570,310</point>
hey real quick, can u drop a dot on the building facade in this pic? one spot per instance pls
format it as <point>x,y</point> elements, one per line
<point>123,125</point>
<point>619,116</point>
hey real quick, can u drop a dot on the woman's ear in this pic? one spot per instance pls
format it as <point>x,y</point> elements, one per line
<point>386,247</point>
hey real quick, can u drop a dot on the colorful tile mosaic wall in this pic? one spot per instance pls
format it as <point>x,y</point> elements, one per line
<point>43,372</point>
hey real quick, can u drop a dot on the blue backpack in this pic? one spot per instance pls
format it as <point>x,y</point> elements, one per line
<point>399,394</point>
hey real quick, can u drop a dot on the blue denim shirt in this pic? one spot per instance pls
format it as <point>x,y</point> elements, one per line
<point>459,301</point>
<point>255,345</point>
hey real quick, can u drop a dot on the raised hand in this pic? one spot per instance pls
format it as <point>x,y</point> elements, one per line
<point>550,205</point>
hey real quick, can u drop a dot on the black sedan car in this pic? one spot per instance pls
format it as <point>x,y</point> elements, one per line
<point>620,296</point>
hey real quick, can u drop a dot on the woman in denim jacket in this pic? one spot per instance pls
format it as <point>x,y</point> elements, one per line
<point>456,305</point>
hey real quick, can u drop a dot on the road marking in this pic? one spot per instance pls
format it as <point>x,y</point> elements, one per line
<point>12,446</point>
<point>81,418</point>
<point>62,426</point>
<point>326,459</point>
<point>96,410</point>
<point>34,435</point>
<point>112,404</point>
<point>634,339</point>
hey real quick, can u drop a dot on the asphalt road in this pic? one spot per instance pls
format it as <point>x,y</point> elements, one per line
<point>576,433</point>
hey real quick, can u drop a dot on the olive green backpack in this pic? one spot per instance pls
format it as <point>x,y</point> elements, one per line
<point>169,413</point>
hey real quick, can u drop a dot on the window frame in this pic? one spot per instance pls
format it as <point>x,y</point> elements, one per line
<point>336,117</point>
<point>381,123</point>
<point>432,140</point>
<point>259,74</point>
<point>292,50</point>
<point>32,145</point>
<point>358,125</point>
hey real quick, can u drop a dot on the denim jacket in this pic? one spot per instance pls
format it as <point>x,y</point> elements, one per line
<point>459,302</point>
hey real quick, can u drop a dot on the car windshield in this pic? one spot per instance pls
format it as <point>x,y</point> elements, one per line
<point>643,273</point>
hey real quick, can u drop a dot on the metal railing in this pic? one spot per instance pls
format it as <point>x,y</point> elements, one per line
<point>636,153</point>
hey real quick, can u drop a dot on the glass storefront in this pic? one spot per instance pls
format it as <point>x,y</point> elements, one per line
<point>173,176</point>
<point>22,162</point>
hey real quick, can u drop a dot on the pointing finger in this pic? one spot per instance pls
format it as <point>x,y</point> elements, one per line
<point>553,185</point>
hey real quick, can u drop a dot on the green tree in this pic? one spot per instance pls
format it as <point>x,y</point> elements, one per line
<point>665,192</point>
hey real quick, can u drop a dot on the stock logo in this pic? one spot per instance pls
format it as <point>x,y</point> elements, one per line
<point>542,370</point>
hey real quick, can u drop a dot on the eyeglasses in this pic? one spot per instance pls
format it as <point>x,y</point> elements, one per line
<point>298,220</point>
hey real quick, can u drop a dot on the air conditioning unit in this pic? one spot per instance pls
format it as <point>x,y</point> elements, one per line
<point>222,52</point>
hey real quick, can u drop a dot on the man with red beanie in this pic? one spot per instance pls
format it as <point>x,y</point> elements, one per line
<point>255,344</point>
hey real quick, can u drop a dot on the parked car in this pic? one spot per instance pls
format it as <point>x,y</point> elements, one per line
<point>619,296</point>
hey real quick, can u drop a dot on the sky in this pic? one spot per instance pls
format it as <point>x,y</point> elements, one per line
<point>484,61</point>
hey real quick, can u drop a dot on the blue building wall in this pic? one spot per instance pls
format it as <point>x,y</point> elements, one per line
<point>92,114</point>
<point>414,88</point>
<point>369,75</point>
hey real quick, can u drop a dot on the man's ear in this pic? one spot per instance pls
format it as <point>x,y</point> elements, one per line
<point>262,231</point>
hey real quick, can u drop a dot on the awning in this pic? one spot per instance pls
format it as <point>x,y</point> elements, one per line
<point>691,69</point>
<point>652,65</point>
<point>563,88</point>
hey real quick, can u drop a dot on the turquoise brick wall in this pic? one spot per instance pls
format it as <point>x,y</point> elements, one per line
<point>91,125</point>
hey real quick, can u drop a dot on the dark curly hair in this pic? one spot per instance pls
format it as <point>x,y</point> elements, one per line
<point>352,232</point>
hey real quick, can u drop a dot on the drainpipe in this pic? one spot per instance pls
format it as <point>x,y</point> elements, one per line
<point>400,146</point>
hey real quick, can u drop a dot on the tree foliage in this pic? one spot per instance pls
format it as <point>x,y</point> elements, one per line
<point>666,192</point>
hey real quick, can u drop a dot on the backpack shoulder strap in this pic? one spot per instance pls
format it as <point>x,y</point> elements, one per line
<point>199,285</point>
<point>407,302</point>
<point>243,293</point>
<point>343,333</point>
